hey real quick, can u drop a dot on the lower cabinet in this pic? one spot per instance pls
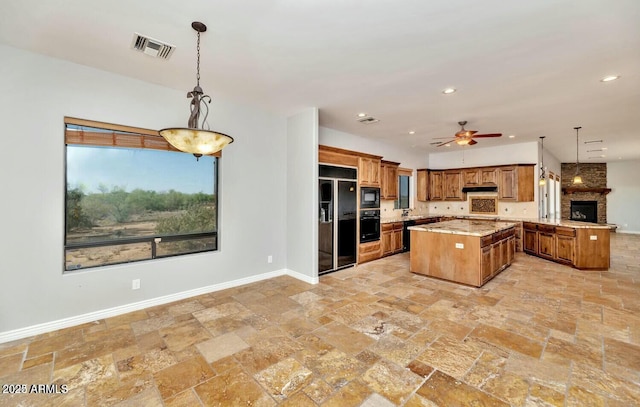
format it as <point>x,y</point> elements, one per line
<point>391,238</point>
<point>582,248</point>
<point>498,251</point>
<point>369,251</point>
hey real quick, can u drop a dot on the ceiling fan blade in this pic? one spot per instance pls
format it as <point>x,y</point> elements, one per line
<point>488,135</point>
<point>466,133</point>
<point>472,142</point>
<point>441,138</point>
<point>446,142</point>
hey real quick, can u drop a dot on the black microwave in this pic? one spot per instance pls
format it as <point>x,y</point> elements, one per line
<point>369,198</point>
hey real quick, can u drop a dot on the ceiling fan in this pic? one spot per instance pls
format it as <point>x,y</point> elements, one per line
<point>466,137</point>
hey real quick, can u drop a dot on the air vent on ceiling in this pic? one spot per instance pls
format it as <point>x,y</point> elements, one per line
<point>152,47</point>
<point>368,120</point>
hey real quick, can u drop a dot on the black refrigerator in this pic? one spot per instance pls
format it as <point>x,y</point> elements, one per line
<point>337,220</point>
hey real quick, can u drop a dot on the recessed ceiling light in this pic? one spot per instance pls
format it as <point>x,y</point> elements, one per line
<point>512,136</point>
<point>610,78</point>
<point>447,145</point>
<point>412,132</point>
<point>362,115</point>
<point>449,91</point>
<point>605,148</point>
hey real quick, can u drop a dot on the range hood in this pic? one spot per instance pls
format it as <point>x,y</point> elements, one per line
<point>480,188</point>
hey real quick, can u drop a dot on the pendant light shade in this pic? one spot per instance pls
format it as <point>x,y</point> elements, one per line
<point>543,175</point>
<point>197,139</point>
<point>577,179</point>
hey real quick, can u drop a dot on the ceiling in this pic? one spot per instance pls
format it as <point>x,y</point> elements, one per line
<point>526,69</point>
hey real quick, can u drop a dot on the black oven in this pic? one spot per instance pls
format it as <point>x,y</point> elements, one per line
<point>369,198</point>
<point>369,226</point>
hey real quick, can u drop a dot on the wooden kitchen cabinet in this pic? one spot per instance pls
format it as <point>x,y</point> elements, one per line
<point>369,251</point>
<point>389,180</point>
<point>436,186</point>
<point>471,176</point>
<point>488,176</point>
<point>391,238</point>
<point>516,183</point>
<point>580,247</point>
<point>452,186</point>
<point>422,183</point>
<point>369,172</point>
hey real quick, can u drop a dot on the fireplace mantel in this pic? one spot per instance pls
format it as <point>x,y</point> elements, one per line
<point>573,190</point>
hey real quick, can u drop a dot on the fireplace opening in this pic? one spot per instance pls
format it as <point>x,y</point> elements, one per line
<point>584,211</point>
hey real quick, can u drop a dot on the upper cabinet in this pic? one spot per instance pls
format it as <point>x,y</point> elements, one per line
<point>471,176</point>
<point>369,172</point>
<point>488,175</point>
<point>436,185</point>
<point>516,183</point>
<point>452,186</point>
<point>423,185</point>
<point>389,180</point>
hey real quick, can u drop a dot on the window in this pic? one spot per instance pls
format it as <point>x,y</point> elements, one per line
<point>404,180</point>
<point>130,196</point>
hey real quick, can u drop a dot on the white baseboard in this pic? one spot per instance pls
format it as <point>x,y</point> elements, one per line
<point>38,329</point>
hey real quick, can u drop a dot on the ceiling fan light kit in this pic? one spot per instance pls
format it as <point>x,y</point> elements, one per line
<point>466,137</point>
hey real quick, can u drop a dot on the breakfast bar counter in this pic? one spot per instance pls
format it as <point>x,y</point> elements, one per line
<point>463,251</point>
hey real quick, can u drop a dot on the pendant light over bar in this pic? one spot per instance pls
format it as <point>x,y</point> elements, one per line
<point>577,179</point>
<point>197,138</point>
<point>543,175</point>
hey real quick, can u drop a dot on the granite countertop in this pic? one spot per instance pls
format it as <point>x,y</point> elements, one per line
<point>464,227</point>
<point>567,223</point>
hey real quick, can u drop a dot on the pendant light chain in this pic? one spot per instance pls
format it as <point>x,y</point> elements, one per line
<point>198,62</point>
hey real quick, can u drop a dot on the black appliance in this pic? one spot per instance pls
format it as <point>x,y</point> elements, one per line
<point>337,218</point>
<point>369,226</point>
<point>369,198</point>
<point>406,235</point>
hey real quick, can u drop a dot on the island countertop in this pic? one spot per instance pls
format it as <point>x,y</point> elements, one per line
<point>464,227</point>
<point>563,222</point>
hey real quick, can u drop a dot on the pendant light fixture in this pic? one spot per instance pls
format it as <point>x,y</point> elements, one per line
<point>543,175</point>
<point>197,138</point>
<point>577,179</point>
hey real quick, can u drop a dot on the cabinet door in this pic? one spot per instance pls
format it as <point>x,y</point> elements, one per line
<point>531,241</point>
<point>423,186</point>
<point>496,257</point>
<point>386,238</point>
<point>471,176</point>
<point>565,248</point>
<point>488,176</point>
<point>508,184</point>
<point>397,240</point>
<point>453,185</point>
<point>486,267</point>
<point>511,249</point>
<point>435,185</point>
<point>389,181</point>
<point>369,172</point>
<point>546,244</point>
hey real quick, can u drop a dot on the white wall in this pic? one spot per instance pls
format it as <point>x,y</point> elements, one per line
<point>302,194</point>
<point>624,199</point>
<point>521,153</point>
<point>36,93</point>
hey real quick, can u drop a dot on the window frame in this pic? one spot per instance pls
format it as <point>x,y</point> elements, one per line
<point>134,138</point>
<point>404,172</point>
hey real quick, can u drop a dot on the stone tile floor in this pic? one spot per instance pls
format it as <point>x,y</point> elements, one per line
<point>539,334</point>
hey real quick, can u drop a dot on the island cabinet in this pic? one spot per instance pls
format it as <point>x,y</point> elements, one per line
<point>422,183</point>
<point>516,183</point>
<point>575,244</point>
<point>463,251</point>
<point>389,180</point>
<point>369,171</point>
<point>391,237</point>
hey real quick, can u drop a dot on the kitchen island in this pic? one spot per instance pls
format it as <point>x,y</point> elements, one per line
<point>463,251</point>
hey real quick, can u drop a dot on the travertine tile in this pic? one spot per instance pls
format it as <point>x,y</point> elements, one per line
<point>372,335</point>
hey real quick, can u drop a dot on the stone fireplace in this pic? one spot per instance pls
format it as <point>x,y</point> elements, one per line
<point>588,200</point>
